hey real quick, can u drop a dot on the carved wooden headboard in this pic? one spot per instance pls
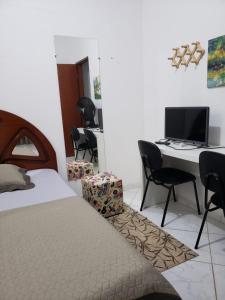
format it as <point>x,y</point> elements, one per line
<point>12,129</point>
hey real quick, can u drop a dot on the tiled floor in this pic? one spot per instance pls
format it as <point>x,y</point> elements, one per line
<point>202,278</point>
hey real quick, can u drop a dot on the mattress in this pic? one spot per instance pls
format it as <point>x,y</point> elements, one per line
<point>65,250</point>
<point>49,186</point>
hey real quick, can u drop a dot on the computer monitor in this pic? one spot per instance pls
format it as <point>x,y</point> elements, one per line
<point>189,124</point>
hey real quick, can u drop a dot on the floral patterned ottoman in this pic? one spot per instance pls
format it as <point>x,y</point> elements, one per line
<point>104,192</point>
<point>79,169</point>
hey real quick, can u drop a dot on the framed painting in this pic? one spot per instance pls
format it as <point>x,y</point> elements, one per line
<point>97,88</point>
<point>216,62</point>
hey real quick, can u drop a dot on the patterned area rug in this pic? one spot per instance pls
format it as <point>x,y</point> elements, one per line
<point>162,249</point>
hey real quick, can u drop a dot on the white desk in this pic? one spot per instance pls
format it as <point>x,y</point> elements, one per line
<point>185,154</point>
<point>187,160</point>
<point>101,148</point>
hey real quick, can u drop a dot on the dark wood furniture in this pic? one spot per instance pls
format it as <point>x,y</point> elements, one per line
<point>12,129</point>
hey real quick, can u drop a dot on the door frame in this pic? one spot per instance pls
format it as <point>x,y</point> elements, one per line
<point>79,65</point>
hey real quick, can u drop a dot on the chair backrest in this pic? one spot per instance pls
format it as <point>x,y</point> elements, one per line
<point>87,110</point>
<point>213,163</point>
<point>150,155</point>
<point>91,138</point>
<point>75,136</point>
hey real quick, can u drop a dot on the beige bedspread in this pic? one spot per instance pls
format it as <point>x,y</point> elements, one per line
<point>64,250</point>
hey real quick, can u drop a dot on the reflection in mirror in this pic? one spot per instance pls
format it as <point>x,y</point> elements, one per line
<point>78,66</point>
<point>25,147</point>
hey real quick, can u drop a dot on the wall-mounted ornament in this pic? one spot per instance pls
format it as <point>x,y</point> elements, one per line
<point>187,55</point>
<point>97,88</point>
<point>176,58</point>
<point>216,62</point>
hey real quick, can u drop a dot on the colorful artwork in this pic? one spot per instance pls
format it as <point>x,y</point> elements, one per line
<point>97,88</point>
<point>216,62</point>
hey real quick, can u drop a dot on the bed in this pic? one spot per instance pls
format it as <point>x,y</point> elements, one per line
<point>49,186</point>
<point>54,245</point>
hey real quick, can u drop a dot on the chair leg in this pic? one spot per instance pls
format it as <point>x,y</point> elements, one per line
<point>174,195</point>
<point>166,206</point>
<point>196,197</point>
<point>201,228</point>
<point>144,195</point>
<point>92,155</point>
<point>76,154</point>
<point>84,153</point>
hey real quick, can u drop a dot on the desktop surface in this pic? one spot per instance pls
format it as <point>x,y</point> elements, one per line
<point>184,151</point>
<point>94,129</point>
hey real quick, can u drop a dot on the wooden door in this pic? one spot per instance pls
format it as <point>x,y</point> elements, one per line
<point>69,88</point>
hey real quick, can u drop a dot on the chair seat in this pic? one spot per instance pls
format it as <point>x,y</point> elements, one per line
<point>216,200</point>
<point>172,176</point>
<point>83,146</point>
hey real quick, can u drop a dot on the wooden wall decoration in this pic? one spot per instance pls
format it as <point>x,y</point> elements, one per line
<point>187,54</point>
<point>12,129</point>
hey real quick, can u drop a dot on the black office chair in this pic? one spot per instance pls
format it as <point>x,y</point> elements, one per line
<point>78,146</point>
<point>212,173</point>
<point>166,177</point>
<point>92,144</point>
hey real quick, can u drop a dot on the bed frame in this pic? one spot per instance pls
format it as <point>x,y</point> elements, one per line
<point>12,129</point>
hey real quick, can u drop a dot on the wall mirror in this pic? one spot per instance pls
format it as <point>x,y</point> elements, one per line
<point>78,67</point>
<point>25,147</point>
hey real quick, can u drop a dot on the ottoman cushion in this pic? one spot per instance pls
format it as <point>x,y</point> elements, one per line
<point>79,169</point>
<point>104,192</point>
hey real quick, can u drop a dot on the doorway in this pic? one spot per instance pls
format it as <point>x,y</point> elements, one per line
<point>78,65</point>
<point>74,82</point>
<point>84,77</point>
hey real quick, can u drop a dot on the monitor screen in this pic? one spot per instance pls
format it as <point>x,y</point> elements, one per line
<point>187,124</point>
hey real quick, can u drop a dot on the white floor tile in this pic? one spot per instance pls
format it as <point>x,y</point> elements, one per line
<point>189,239</point>
<point>70,159</point>
<point>219,273</point>
<point>217,245</point>
<point>129,196</point>
<point>153,213</point>
<point>95,165</point>
<point>136,204</point>
<point>215,226</point>
<point>178,217</point>
<point>192,280</point>
<point>138,197</point>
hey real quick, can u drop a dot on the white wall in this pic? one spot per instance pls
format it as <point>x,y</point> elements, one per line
<point>166,25</point>
<point>169,24</point>
<point>70,50</point>
<point>28,75</point>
